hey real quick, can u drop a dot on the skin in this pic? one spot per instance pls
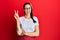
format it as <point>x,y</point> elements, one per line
<point>20,31</point>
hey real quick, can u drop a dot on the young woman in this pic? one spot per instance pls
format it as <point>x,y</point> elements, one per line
<point>27,25</point>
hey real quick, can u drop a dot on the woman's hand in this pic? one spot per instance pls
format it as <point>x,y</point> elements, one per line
<point>16,16</point>
<point>23,33</point>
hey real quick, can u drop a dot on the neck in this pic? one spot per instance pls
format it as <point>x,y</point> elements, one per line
<point>27,16</point>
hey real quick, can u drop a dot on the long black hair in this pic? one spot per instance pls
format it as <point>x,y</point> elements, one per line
<point>31,15</point>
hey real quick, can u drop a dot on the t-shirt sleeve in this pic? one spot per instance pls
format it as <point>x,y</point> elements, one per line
<point>36,19</point>
<point>20,21</point>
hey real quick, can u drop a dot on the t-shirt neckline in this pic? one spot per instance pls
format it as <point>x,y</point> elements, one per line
<point>26,18</point>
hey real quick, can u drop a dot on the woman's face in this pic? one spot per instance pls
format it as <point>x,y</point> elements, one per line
<point>27,9</point>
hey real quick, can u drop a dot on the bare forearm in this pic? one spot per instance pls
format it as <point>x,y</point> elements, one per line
<point>19,30</point>
<point>32,33</point>
<point>18,25</point>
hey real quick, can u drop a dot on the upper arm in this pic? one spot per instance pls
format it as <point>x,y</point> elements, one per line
<point>36,25</point>
<point>37,29</point>
<point>37,22</point>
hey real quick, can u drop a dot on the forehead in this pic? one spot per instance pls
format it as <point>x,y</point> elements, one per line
<point>27,6</point>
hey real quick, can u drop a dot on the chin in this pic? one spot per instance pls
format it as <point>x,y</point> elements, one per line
<point>27,13</point>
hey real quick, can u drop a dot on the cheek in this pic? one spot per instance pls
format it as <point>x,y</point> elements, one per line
<point>29,10</point>
<point>25,11</point>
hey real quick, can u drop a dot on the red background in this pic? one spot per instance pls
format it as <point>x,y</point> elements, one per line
<point>47,12</point>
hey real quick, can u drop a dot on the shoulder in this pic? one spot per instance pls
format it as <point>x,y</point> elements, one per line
<point>35,17</point>
<point>21,17</point>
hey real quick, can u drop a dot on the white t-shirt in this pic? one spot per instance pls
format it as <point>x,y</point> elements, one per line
<point>27,24</point>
